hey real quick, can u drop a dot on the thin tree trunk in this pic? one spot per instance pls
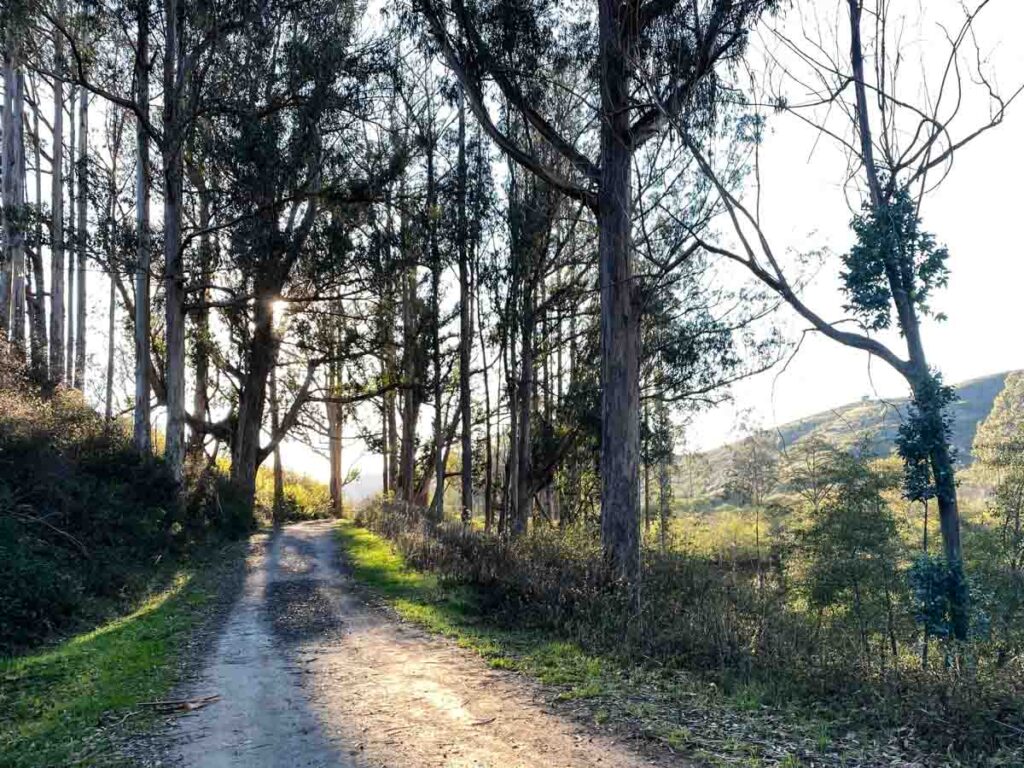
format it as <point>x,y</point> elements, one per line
<point>465,325</point>
<point>275,423</point>
<point>108,409</point>
<point>72,249</point>
<point>620,504</point>
<point>174,276</point>
<point>918,373</point>
<point>141,412</point>
<point>647,468</point>
<point>410,411</point>
<point>83,235</point>
<point>37,301</point>
<point>57,211</point>
<point>437,507</point>
<point>12,286</point>
<point>525,398</point>
<point>334,437</point>
<point>201,347</point>
<point>488,451</point>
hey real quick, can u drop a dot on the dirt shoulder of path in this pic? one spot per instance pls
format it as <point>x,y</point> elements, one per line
<point>222,574</point>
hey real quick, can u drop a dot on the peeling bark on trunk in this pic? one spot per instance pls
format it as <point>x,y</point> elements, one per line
<point>620,506</point>
<point>12,283</point>
<point>37,299</point>
<point>57,213</point>
<point>83,237</point>
<point>465,326</point>
<point>141,412</point>
<point>174,276</point>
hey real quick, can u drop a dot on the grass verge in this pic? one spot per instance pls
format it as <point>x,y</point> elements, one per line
<point>679,710</point>
<point>65,704</point>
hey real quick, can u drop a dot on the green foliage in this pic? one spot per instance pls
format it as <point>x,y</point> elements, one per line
<point>304,497</point>
<point>853,549</point>
<point>80,510</point>
<point>999,448</point>
<point>929,581</point>
<point>891,249</point>
<point>927,428</point>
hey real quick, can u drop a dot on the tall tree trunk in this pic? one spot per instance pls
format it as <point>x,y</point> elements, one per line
<point>385,445</point>
<point>143,255</point>
<point>510,505</point>
<point>174,276</point>
<point>647,467</point>
<point>465,325</point>
<point>72,249</point>
<point>488,450</point>
<point>57,211</point>
<point>83,235</point>
<point>410,401</point>
<point>37,301</point>
<point>620,337</point>
<point>334,438</point>
<point>918,374</point>
<point>525,399</point>
<point>437,506</point>
<point>12,286</point>
<point>261,359</point>
<point>201,348</point>
<point>390,363</point>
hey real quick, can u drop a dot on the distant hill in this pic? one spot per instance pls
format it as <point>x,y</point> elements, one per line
<point>874,421</point>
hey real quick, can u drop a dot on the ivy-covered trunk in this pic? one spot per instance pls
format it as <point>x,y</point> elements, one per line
<point>925,447</point>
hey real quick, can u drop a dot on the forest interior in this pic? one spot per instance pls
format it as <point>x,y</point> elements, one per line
<point>360,362</point>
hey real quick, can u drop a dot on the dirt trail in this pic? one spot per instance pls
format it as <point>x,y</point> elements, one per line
<point>310,675</point>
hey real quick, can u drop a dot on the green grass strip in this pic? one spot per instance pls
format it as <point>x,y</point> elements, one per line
<point>57,705</point>
<point>454,612</point>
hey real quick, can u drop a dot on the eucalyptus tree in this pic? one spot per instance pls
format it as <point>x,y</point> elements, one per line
<point>637,65</point>
<point>284,143</point>
<point>192,35</point>
<point>12,174</point>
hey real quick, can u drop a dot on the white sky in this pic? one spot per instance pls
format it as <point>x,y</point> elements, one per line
<point>976,213</point>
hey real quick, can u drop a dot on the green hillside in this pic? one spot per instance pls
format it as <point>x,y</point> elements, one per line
<point>873,421</point>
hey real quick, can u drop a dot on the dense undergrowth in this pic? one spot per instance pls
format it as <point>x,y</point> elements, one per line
<point>85,521</point>
<point>699,635</point>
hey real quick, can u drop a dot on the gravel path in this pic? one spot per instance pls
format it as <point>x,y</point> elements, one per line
<point>308,674</point>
